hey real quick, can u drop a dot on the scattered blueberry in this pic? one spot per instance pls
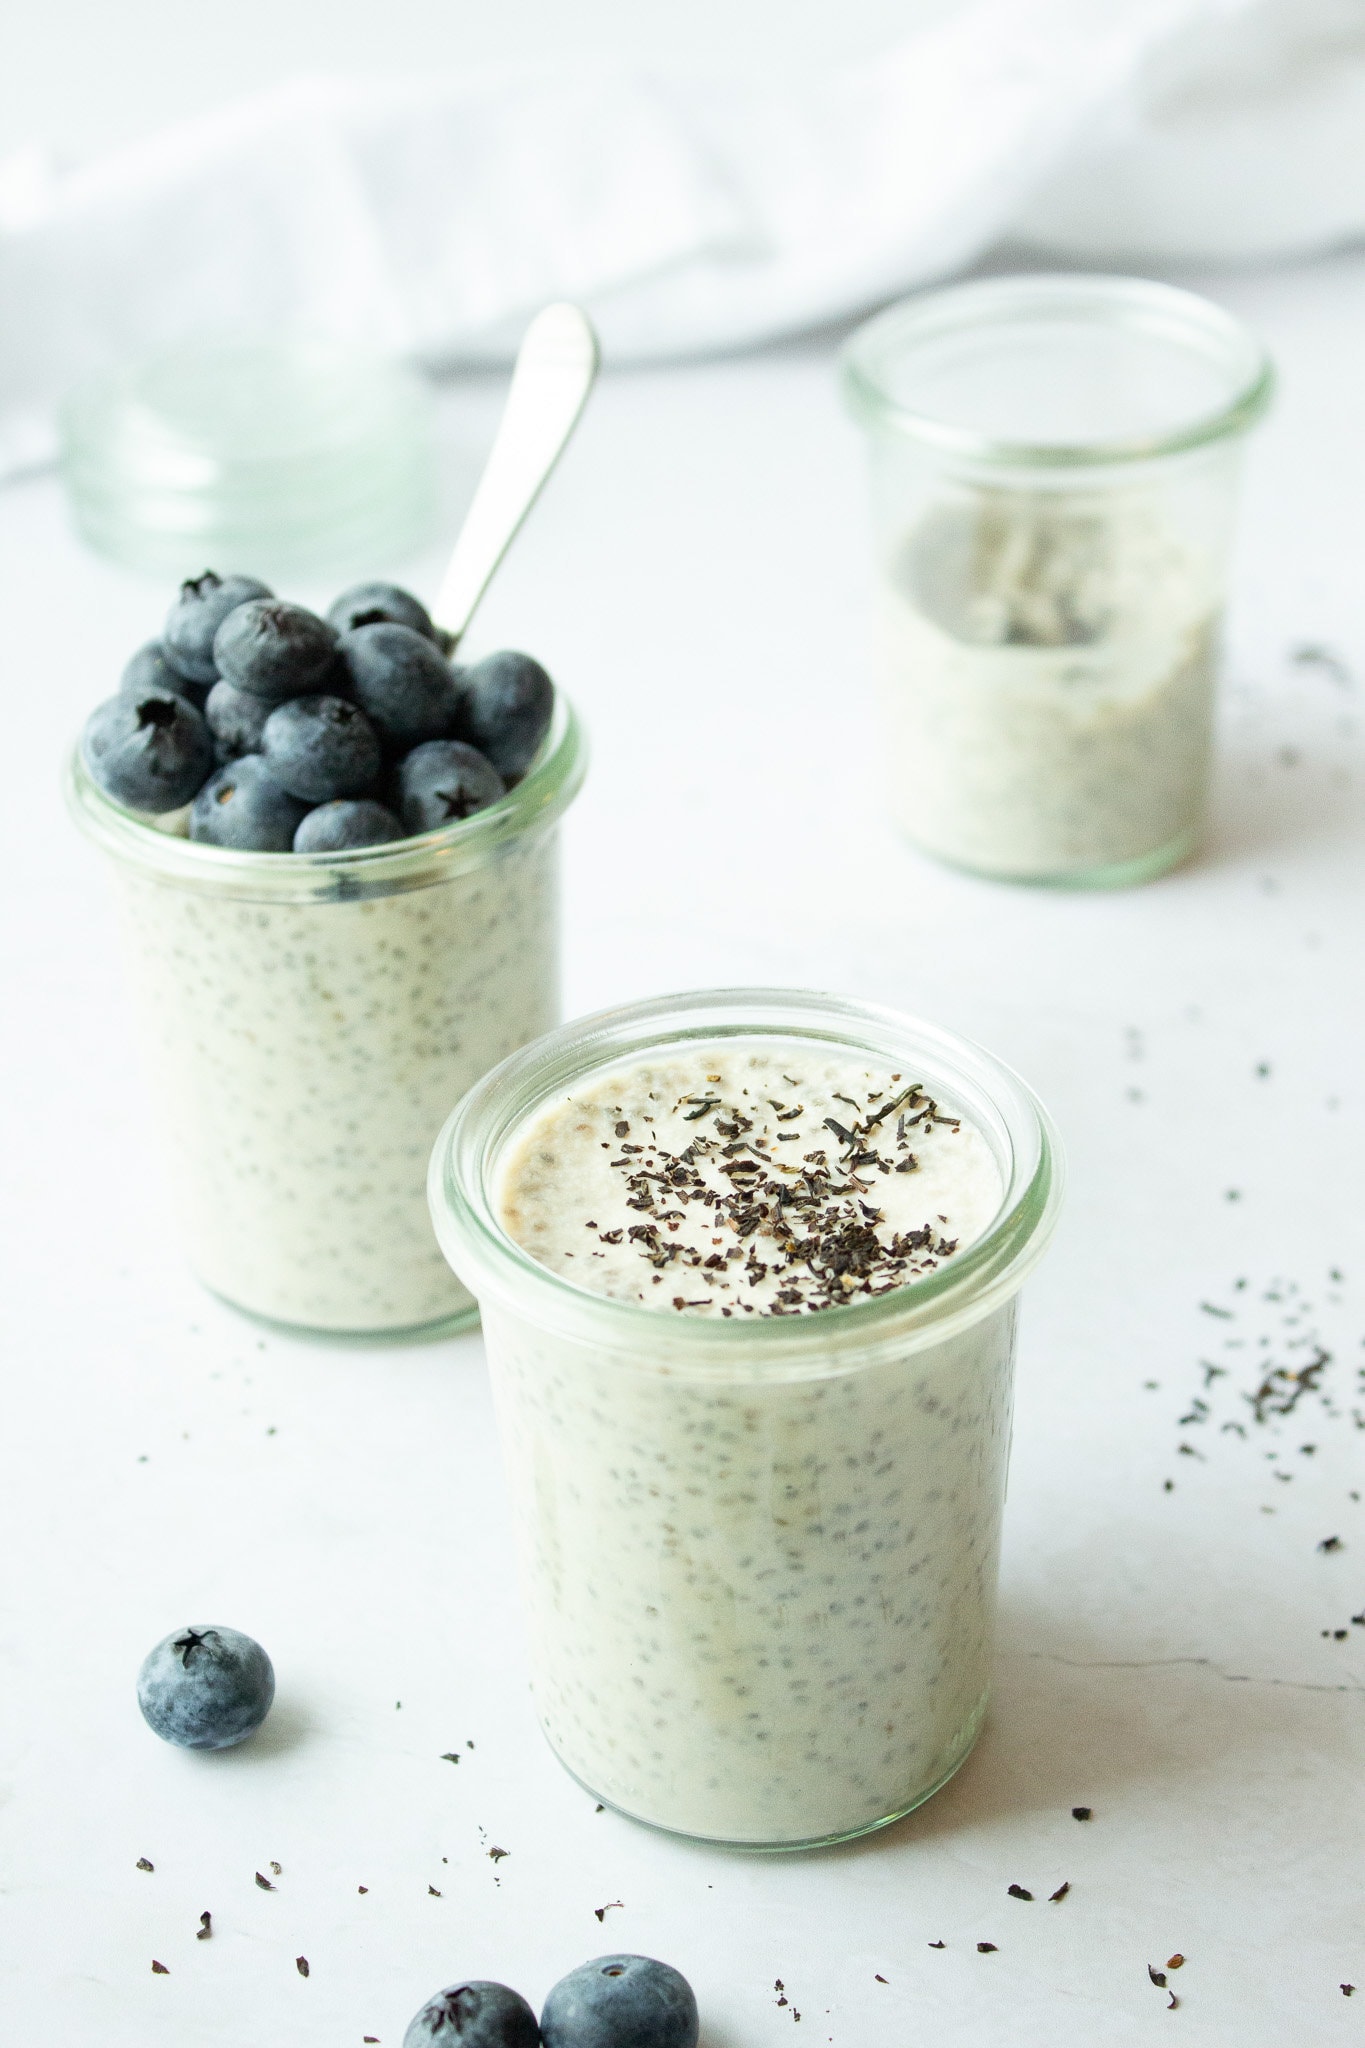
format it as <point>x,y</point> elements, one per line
<point>236,720</point>
<point>205,1688</point>
<point>377,604</point>
<point>402,683</point>
<point>620,2002</point>
<point>321,747</point>
<point>193,620</point>
<point>275,649</point>
<point>474,2015</point>
<point>347,824</point>
<point>505,705</point>
<point>150,751</point>
<point>243,806</point>
<point>444,780</point>
<point>149,669</point>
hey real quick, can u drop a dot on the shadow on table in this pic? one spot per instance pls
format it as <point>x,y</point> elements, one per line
<point>287,1726</point>
<point>1088,1727</point>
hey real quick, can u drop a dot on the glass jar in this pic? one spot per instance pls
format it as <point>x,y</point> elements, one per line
<point>758,1556</point>
<point>295,454</point>
<point>308,1020</point>
<point>1054,467</point>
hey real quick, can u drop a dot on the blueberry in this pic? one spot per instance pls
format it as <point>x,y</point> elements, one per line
<point>205,1688</point>
<point>203,604</point>
<point>620,2002</point>
<point>505,705</point>
<point>236,720</point>
<point>377,604</point>
<point>149,669</point>
<point>474,2015</point>
<point>274,649</point>
<point>401,681</point>
<point>348,823</point>
<point>150,751</point>
<point>321,747</point>
<point>243,806</point>
<point>443,780</point>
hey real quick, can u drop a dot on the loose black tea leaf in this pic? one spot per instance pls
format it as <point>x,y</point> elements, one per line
<point>1081,1812</point>
<point>205,1928</point>
<point>301,1965</point>
<point>1060,1893</point>
<point>264,1883</point>
<point>143,1864</point>
<point>159,1969</point>
<point>1017,1891</point>
<point>986,1948</point>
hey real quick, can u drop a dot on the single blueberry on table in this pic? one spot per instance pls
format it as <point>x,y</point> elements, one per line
<point>377,604</point>
<point>149,669</point>
<point>346,825</point>
<point>150,751</point>
<point>243,806</point>
<point>193,620</point>
<point>506,701</point>
<point>236,720</point>
<point>443,780</point>
<point>402,683</point>
<point>474,2015</point>
<point>205,1688</point>
<point>274,649</point>
<point>321,747</point>
<point>621,2002</point>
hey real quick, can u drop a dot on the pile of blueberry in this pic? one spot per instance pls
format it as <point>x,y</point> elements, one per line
<point>286,732</point>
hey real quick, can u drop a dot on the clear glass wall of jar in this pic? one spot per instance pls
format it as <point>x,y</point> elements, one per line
<point>758,1556</point>
<point>1054,466</point>
<point>308,1021</point>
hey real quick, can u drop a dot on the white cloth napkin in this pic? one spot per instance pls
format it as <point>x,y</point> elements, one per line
<point>431,218</point>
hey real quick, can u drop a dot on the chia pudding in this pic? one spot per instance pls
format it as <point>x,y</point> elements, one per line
<point>1048,670</point>
<point>754,1389</point>
<point>1054,465</point>
<point>308,1021</point>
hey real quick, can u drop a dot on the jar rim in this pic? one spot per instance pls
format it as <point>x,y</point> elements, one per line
<point>1180,317</point>
<point>537,801</point>
<point>987,1273</point>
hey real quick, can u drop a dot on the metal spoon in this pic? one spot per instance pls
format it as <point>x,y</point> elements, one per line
<point>554,372</point>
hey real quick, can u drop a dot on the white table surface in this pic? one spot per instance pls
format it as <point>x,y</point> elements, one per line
<point>698,579</point>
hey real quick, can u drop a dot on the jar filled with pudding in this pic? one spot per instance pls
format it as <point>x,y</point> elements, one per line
<point>748,1264</point>
<point>1054,468</point>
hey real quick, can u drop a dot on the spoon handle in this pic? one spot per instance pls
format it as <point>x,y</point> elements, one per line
<point>554,373</point>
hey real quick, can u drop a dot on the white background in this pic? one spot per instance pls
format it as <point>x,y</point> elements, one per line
<point>697,578</point>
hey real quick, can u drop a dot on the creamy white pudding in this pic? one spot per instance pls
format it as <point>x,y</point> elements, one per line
<point>761,1594</point>
<point>741,1179</point>
<point>1048,669</point>
<point>302,1057</point>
